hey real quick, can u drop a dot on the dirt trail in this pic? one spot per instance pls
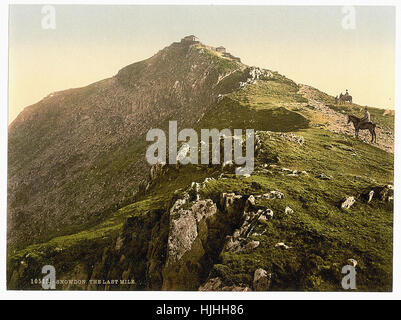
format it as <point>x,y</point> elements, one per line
<point>337,122</point>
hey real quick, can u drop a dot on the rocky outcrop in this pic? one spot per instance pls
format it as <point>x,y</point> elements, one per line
<point>282,245</point>
<point>323,176</point>
<point>348,202</point>
<point>293,138</point>
<point>78,154</point>
<point>383,193</point>
<point>184,226</point>
<point>215,284</point>
<point>197,234</point>
<point>188,242</point>
<point>288,210</point>
<point>386,193</point>
<point>261,280</point>
<point>352,262</point>
<point>254,74</point>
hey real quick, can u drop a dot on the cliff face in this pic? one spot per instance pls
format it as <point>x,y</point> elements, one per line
<point>77,155</point>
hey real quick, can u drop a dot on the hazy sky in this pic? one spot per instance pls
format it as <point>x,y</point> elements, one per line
<point>307,44</point>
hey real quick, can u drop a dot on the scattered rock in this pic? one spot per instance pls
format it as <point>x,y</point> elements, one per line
<point>253,244</point>
<point>271,195</point>
<point>268,213</point>
<point>156,170</point>
<point>282,245</point>
<point>288,210</point>
<point>119,243</point>
<point>236,233</point>
<point>194,191</point>
<point>232,244</point>
<point>251,201</point>
<point>386,193</point>
<point>213,284</point>
<point>352,262</point>
<point>296,173</point>
<point>262,218</point>
<point>323,176</point>
<point>370,196</point>
<point>236,288</point>
<point>292,137</point>
<point>349,201</point>
<point>184,226</point>
<point>231,201</point>
<point>244,175</point>
<point>261,280</point>
<point>182,152</point>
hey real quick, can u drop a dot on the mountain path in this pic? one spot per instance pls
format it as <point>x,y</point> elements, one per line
<point>337,122</point>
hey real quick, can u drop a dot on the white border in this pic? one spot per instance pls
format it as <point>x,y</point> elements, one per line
<point>175,295</point>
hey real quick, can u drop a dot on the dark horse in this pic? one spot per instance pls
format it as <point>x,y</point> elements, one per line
<point>363,126</point>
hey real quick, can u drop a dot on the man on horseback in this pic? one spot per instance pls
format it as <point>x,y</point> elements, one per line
<point>345,97</point>
<point>366,118</point>
<point>363,124</point>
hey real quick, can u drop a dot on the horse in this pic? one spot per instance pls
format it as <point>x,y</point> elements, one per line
<point>345,97</point>
<point>363,126</point>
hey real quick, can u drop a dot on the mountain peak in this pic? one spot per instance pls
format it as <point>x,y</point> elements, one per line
<point>66,133</point>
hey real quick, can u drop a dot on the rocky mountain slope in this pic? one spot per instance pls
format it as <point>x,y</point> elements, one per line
<point>318,197</point>
<point>77,155</point>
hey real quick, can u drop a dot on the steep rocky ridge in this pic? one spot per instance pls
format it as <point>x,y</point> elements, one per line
<point>78,154</point>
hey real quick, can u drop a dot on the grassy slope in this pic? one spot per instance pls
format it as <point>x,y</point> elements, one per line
<point>322,235</point>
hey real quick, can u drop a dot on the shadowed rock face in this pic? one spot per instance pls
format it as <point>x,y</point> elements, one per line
<point>78,154</point>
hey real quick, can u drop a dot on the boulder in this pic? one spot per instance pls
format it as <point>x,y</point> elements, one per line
<point>282,245</point>
<point>386,193</point>
<point>352,262</point>
<point>213,284</point>
<point>288,210</point>
<point>261,280</point>
<point>232,244</point>
<point>271,195</point>
<point>230,201</point>
<point>348,202</point>
<point>250,202</point>
<point>184,226</point>
<point>323,176</point>
<point>293,138</point>
<point>236,288</point>
<point>370,195</point>
<point>253,244</point>
<point>269,213</point>
<point>156,170</point>
<point>119,243</point>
